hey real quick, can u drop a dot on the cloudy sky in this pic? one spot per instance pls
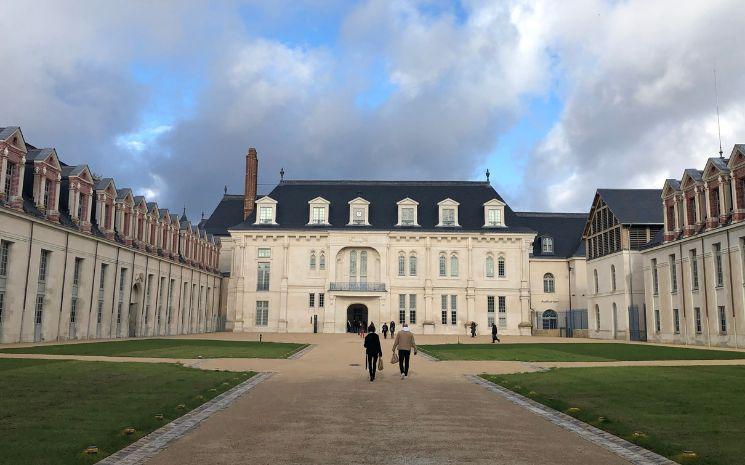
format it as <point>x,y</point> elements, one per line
<point>554,98</point>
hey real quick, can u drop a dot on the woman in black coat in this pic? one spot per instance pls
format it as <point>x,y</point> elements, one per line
<point>373,350</point>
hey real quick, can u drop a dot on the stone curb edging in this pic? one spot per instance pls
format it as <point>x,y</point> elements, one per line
<point>427,356</point>
<point>621,447</point>
<point>300,353</point>
<point>148,446</point>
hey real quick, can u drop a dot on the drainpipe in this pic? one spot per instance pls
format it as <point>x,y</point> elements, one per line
<point>62,296</point>
<point>631,296</point>
<point>569,281</point>
<point>682,290</point>
<point>731,290</point>
<point>706,296</point>
<point>25,289</point>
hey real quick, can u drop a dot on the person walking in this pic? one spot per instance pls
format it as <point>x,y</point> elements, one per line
<point>494,336</point>
<point>404,341</point>
<point>384,330</point>
<point>373,351</point>
<point>392,327</point>
<point>473,329</point>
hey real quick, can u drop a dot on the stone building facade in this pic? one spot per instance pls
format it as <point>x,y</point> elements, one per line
<point>695,274</point>
<point>83,259</point>
<point>313,256</point>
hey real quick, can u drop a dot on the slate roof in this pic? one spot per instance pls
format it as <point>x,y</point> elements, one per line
<point>292,204</point>
<point>634,206</point>
<point>39,154</point>
<point>102,183</point>
<point>696,175</point>
<point>121,193</point>
<point>7,131</point>
<point>564,228</point>
<point>720,163</point>
<point>68,171</point>
<point>674,183</point>
<point>227,213</point>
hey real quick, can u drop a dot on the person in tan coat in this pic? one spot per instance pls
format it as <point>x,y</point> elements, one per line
<point>404,341</point>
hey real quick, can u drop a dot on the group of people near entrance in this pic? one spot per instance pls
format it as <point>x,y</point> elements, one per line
<point>403,341</point>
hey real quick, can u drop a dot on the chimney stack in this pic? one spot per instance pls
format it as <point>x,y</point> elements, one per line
<point>252,169</point>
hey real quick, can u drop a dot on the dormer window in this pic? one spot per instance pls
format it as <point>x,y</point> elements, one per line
<point>494,214</point>
<point>319,211</point>
<point>448,213</point>
<point>547,245</point>
<point>358,212</point>
<point>407,212</point>
<point>266,211</point>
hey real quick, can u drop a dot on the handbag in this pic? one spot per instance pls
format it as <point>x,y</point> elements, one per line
<point>394,359</point>
<point>380,364</point>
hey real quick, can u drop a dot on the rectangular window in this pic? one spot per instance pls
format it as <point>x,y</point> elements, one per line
<point>722,320</point>
<point>673,275</point>
<point>402,308</point>
<point>353,264</point>
<point>490,310</point>
<point>407,215</point>
<point>363,265</point>
<point>412,309</point>
<point>444,308</point>
<point>718,264</point>
<point>412,265</point>
<point>161,291</point>
<point>39,309</point>
<point>448,216</point>
<point>8,179</point>
<point>265,215</point>
<point>442,265</point>
<point>264,252</point>
<point>676,321</point>
<point>262,313</point>
<point>656,320</point>
<point>43,265</point>
<point>120,303</point>
<point>321,300</point>
<point>655,282</point>
<point>311,300</point>
<point>494,217</point>
<point>694,270</point>
<point>502,311</point>
<point>319,215</point>
<point>2,305</point>
<point>500,267</point>
<point>101,291</point>
<point>453,309</point>
<point>401,265</point>
<point>4,258</point>
<point>262,281</point>
<point>697,317</point>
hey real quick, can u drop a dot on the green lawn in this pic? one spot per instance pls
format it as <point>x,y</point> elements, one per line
<point>577,352</point>
<point>51,410</point>
<point>678,408</point>
<point>169,348</point>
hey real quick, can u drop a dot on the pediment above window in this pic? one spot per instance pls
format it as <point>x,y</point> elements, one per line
<point>359,209</point>
<point>494,214</point>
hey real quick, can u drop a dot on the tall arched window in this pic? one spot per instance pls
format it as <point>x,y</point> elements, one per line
<point>443,261</point>
<point>595,276</point>
<point>453,265</point>
<point>489,266</point>
<point>353,264</point>
<point>550,319</point>
<point>500,267</point>
<point>312,260</point>
<point>412,265</point>
<point>613,277</point>
<point>548,283</point>
<point>363,265</point>
<point>597,317</point>
<point>401,264</point>
<point>322,261</point>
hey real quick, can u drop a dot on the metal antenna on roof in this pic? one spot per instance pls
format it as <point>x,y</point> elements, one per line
<point>225,190</point>
<point>202,216</point>
<point>719,126</point>
<point>487,175</point>
<point>281,174</point>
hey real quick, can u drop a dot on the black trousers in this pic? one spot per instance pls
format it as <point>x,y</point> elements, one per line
<point>372,364</point>
<point>403,361</point>
<point>385,334</point>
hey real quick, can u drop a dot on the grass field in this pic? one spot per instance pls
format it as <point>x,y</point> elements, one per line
<point>677,408</point>
<point>578,352</point>
<point>168,348</point>
<point>51,410</point>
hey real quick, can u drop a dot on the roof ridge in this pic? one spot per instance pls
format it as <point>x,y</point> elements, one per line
<point>347,182</point>
<point>551,214</point>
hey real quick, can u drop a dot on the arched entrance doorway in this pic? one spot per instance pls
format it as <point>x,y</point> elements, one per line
<point>356,317</point>
<point>134,305</point>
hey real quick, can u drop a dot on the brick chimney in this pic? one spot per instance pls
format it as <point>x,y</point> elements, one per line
<point>252,168</point>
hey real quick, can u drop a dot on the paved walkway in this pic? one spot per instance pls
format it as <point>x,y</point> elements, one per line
<point>322,409</point>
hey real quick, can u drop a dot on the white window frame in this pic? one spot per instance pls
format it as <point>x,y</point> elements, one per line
<point>319,202</point>
<point>547,245</point>
<point>359,205</point>
<point>269,204</point>
<point>262,313</point>
<point>407,203</point>
<point>444,205</point>
<point>494,207</point>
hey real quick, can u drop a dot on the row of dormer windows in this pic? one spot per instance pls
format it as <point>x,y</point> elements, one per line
<point>359,209</point>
